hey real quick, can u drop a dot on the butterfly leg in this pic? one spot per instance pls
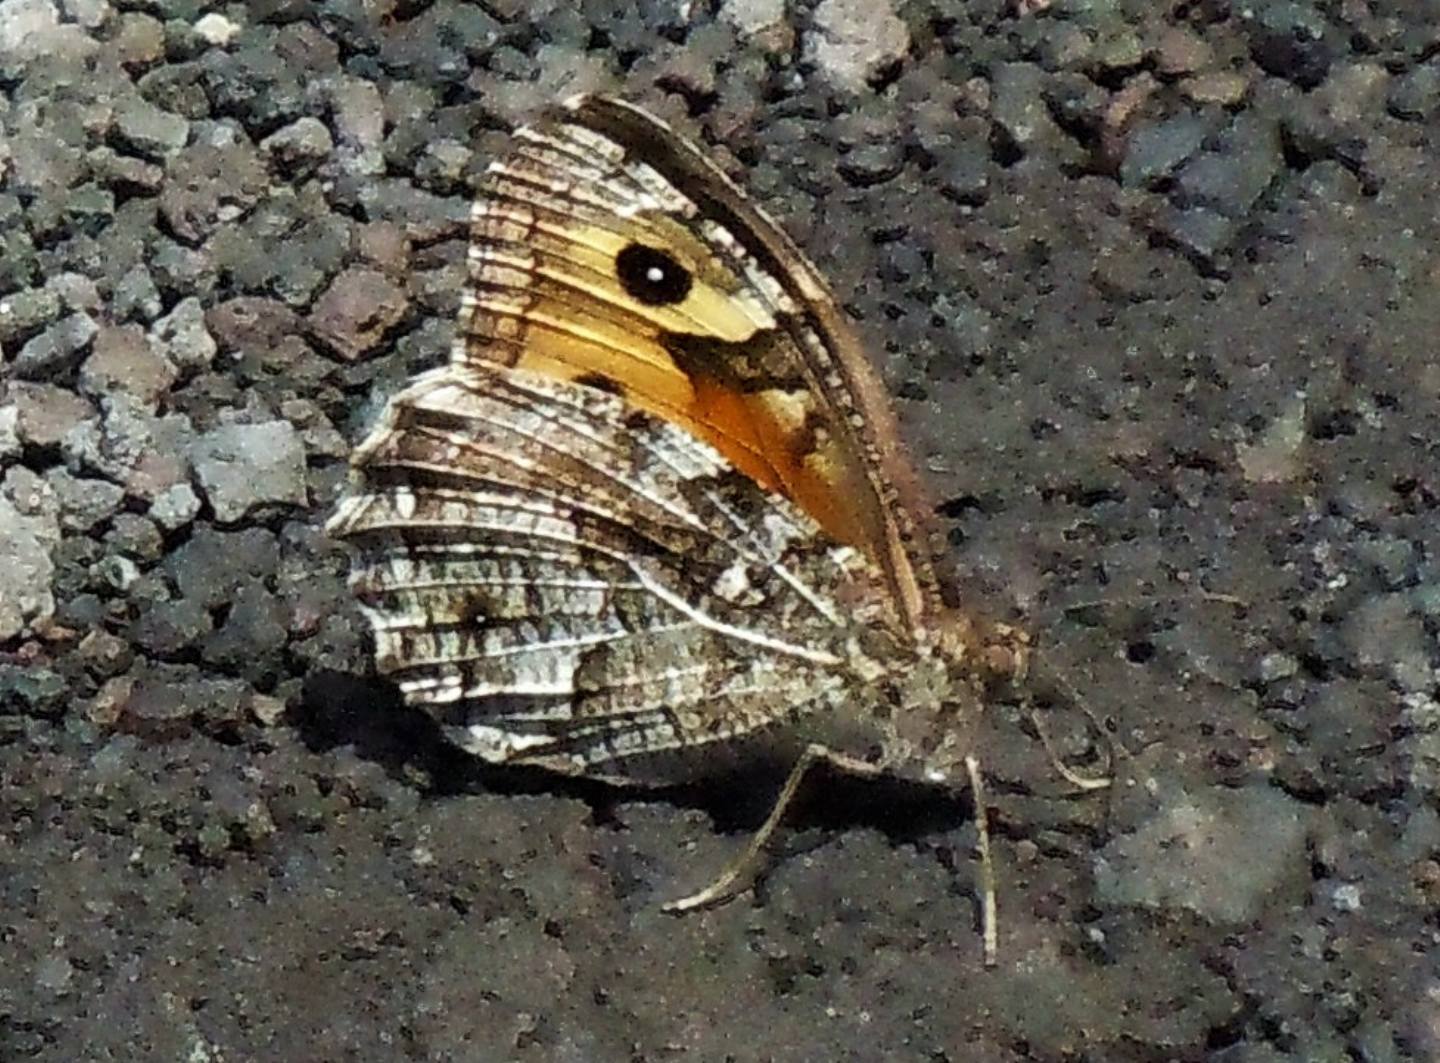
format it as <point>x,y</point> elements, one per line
<point>991,935</point>
<point>741,873</point>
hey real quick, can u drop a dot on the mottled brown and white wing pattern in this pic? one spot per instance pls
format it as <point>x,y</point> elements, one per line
<point>566,581</point>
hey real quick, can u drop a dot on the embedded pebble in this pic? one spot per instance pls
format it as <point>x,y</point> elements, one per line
<point>1223,855</point>
<point>244,466</point>
<point>1385,632</point>
<point>854,40</point>
<point>1204,234</point>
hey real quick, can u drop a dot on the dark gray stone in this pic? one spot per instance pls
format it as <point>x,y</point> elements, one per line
<point>212,565</point>
<point>1232,178</point>
<point>148,130</point>
<point>55,349</point>
<point>290,246</point>
<point>254,631</point>
<point>1291,40</point>
<point>1416,95</point>
<point>209,184</point>
<point>1155,151</point>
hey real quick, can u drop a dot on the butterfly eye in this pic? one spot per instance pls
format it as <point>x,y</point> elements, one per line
<point>652,276</point>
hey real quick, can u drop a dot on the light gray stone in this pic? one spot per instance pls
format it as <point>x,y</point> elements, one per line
<point>9,432</point>
<point>84,502</point>
<point>244,466</point>
<point>1221,854</point>
<point>182,337</point>
<point>856,39</point>
<point>147,129</point>
<point>175,507</point>
<point>29,530</point>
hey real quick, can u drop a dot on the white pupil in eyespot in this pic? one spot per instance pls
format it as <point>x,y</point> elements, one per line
<point>654,274</point>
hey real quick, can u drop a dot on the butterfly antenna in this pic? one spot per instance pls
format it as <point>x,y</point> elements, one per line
<point>1080,782</point>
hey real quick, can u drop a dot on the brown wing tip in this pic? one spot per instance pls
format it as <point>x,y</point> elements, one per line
<point>584,104</point>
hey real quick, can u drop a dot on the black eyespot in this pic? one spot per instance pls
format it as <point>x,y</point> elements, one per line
<point>651,276</point>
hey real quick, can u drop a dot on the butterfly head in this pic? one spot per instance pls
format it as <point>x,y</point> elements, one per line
<point>996,655</point>
<point>929,722</point>
<point>1004,655</point>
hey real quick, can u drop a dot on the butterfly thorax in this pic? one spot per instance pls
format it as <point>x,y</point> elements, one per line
<point>917,698</point>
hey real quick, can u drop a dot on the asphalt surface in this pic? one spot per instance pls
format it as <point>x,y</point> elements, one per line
<point>1158,291</point>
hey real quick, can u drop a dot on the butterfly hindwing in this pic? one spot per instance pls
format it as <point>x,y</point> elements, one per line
<point>561,579</point>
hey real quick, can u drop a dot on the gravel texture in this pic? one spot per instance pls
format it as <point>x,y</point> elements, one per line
<point>1158,289</point>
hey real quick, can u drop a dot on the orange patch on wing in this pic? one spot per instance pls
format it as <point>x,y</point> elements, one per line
<point>748,429</point>
<point>801,468</point>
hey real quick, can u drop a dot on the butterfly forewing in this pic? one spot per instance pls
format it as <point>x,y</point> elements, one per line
<point>607,249</point>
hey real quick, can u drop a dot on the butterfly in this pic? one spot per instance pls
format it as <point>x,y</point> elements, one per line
<point>655,515</point>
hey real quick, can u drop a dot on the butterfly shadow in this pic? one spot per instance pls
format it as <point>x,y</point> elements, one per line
<point>368,715</point>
